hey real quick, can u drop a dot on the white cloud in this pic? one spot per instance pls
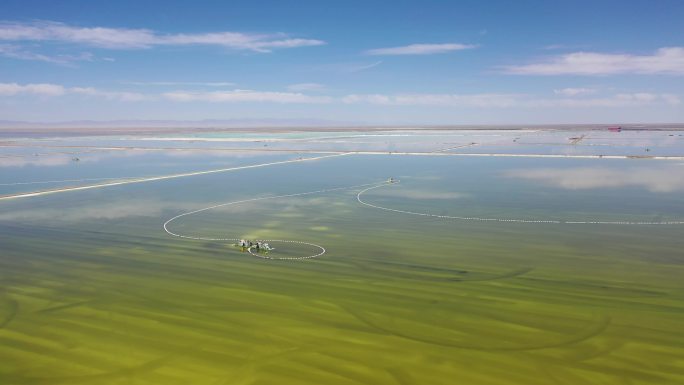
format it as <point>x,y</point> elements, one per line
<point>236,96</point>
<point>368,98</point>
<point>491,100</point>
<point>574,91</point>
<point>232,96</point>
<point>10,89</point>
<point>665,61</point>
<point>163,84</point>
<point>347,67</point>
<point>420,49</point>
<point>554,46</point>
<point>111,95</point>
<point>124,38</point>
<point>511,100</point>
<point>620,100</point>
<point>663,180</point>
<point>671,99</point>
<point>16,52</point>
<point>306,87</point>
<point>46,89</point>
<point>464,100</point>
<point>551,47</point>
<point>361,67</point>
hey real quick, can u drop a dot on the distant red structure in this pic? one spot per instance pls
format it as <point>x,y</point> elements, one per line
<point>615,129</point>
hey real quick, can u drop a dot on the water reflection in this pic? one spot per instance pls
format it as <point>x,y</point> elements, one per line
<point>413,193</point>
<point>103,211</point>
<point>660,180</point>
<point>23,161</point>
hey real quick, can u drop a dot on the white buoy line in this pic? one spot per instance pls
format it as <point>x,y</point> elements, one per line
<point>508,220</point>
<point>321,249</point>
<point>369,187</point>
<point>156,178</point>
<point>71,180</point>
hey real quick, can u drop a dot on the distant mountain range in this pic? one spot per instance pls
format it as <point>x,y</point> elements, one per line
<point>99,127</point>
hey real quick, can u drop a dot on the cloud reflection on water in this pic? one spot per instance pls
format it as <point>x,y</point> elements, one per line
<point>421,194</point>
<point>105,211</point>
<point>162,155</point>
<point>47,160</point>
<point>663,180</point>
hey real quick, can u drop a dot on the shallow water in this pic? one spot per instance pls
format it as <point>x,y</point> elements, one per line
<point>94,291</point>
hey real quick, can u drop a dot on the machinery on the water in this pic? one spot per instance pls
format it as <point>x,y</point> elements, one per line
<point>254,246</point>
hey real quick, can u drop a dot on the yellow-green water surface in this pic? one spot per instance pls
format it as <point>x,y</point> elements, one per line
<point>93,291</point>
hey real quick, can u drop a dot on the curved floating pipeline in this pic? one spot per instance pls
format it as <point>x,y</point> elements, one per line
<point>321,249</point>
<point>369,187</point>
<point>505,220</point>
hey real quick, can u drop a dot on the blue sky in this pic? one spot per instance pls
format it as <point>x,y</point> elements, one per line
<point>367,62</point>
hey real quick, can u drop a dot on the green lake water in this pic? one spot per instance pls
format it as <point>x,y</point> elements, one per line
<point>93,291</point>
